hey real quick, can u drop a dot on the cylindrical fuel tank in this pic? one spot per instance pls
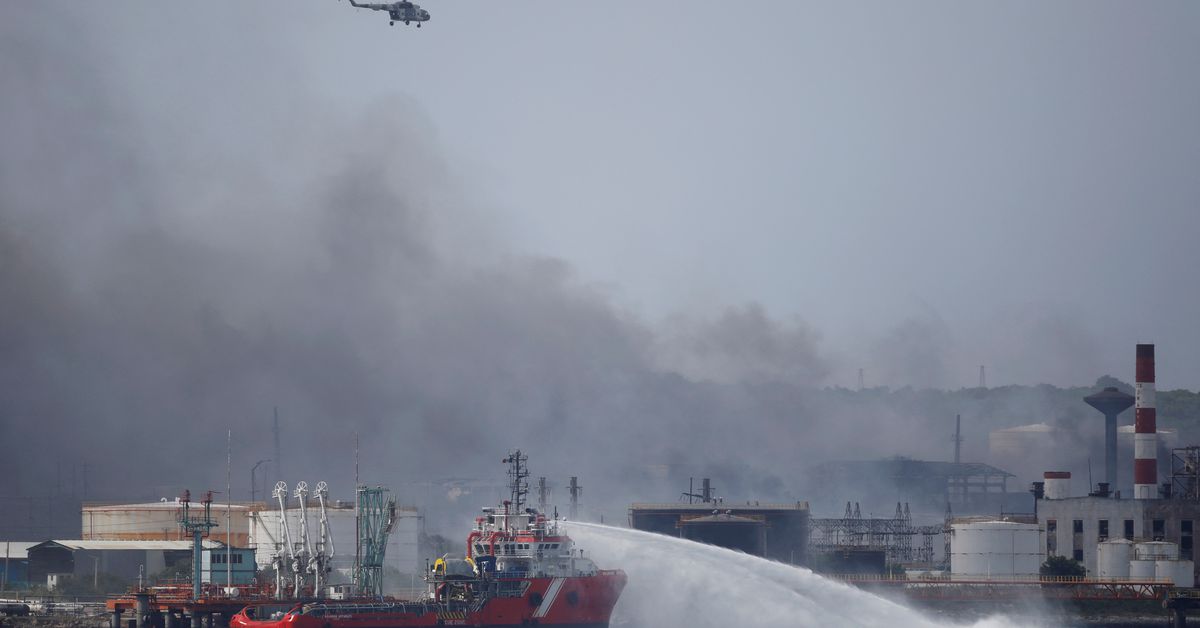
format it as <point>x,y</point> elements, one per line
<point>1112,558</point>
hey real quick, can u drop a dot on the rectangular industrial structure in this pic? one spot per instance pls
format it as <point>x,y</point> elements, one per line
<point>775,531</point>
<point>1074,526</point>
<point>123,559</point>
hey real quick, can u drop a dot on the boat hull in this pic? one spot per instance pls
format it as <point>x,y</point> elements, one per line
<point>566,602</point>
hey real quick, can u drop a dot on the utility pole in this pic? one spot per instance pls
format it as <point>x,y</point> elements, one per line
<point>861,380</point>
<point>982,377</point>
<point>358,524</point>
<point>228,508</point>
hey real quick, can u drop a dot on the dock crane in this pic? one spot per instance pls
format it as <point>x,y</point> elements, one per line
<point>304,556</point>
<point>278,561</point>
<point>323,556</point>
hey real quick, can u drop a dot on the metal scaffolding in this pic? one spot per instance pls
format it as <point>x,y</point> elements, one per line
<point>1185,473</point>
<point>376,516</point>
<point>895,536</point>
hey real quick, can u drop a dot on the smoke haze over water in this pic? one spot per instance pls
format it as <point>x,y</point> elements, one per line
<point>207,212</point>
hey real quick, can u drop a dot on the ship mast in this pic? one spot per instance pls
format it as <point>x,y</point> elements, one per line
<point>518,476</point>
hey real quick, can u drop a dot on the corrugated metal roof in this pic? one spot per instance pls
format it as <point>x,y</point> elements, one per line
<point>16,550</point>
<point>112,546</point>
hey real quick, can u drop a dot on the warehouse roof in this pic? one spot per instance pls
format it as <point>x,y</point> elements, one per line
<point>16,550</point>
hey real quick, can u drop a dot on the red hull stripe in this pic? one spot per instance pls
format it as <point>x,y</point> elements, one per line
<point>1144,421</point>
<point>1145,471</point>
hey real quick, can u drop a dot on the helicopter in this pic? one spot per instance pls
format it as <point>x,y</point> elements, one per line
<point>403,11</point>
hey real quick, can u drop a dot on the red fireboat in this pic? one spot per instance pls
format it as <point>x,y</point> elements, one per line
<point>518,570</point>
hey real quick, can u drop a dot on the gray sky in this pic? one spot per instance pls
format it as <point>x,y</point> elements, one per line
<point>1017,181</point>
<point>649,228</point>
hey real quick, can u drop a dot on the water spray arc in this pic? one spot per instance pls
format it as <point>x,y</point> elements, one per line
<point>784,595</point>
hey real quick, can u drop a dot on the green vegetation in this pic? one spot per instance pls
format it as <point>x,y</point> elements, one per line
<point>1063,566</point>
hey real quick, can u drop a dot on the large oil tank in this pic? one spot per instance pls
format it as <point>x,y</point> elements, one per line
<point>1112,558</point>
<point>1155,550</point>
<point>1000,549</point>
<point>159,521</point>
<point>1142,570</point>
<point>1181,573</point>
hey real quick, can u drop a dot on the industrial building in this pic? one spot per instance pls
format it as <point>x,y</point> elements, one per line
<point>14,565</point>
<point>1091,525</point>
<point>255,526</point>
<point>775,531</point>
<point>968,487</point>
<point>232,565</point>
<point>124,559</point>
<point>1040,446</point>
<point>159,521</point>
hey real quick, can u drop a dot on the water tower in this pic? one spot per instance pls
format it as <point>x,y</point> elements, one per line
<point>1111,402</point>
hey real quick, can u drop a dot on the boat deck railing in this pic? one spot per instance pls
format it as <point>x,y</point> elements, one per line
<point>964,579</point>
<point>338,608</point>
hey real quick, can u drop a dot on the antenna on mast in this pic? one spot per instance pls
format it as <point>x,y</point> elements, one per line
<point>275,435</point>
<point>518,473</point>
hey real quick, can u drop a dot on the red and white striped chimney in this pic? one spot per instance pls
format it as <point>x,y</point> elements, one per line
<point>1145,437</point>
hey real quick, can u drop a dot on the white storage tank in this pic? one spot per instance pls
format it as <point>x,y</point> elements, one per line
<point>1057,484</point>
<point>1112,558</point>
<point>1142,570</point>
<point>1180,573</point>
<point>401,554</point>
<point>999,549</point>
<point>1155,550</point>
